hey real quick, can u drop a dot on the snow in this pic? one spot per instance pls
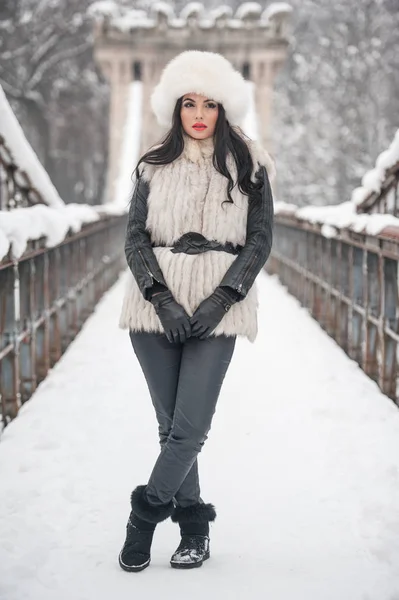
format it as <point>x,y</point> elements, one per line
<point>53,220</point>
<point>206,23</point>
<point>24,155</point>
<point>22,224</point>
<point>110,209</point>
<point>106,8</point>
<point>34,222</point>
<point>248,9</point>
<point>250,124</point>
<point>53,224</point>
<point>373,179</point>
<point>274,9</point>
<point>131,20</point>
<point>284,207</point>
<point>124,19</point>
<point>328,232</point>
<point>345,215</point>
<point>359,195</point>
<point>4,244</point>
<point>235,24</point>
<point>190,9</point>
<point>121,18</point>
<point>302,464</point>
<point>162,7</point>
<point>177,23</point>
<point>340,216</point>
<point>224,10</point>
<point>130,144</point>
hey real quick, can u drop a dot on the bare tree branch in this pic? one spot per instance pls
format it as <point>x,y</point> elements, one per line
<point>54,60</point>
<point>10,90</point>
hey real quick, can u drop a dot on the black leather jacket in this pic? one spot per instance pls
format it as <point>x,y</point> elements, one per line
<point>240,275</point>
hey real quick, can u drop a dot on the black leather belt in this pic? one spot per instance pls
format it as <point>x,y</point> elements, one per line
<point>195,243</point>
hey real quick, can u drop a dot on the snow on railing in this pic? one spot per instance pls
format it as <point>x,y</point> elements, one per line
<point>380,181</point>
<point>21,225</point>
<point>30,206</point>
<point>339,216</point>
<point>373,207</point>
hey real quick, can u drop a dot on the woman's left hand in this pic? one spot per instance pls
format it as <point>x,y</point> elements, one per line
<point>210,312</point>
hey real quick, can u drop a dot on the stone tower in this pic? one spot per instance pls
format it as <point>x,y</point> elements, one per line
<point>135,45</point>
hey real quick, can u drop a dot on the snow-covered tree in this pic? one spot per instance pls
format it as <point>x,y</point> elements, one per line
<point>48,73</point>
<point>337,97</point>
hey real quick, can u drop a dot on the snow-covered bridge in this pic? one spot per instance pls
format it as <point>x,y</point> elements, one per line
<point>302,461</point>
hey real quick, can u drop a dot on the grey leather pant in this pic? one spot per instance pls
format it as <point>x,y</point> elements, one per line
<point>184,381</point>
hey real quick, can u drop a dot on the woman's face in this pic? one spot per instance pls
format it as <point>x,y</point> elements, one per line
<point>199,111</point>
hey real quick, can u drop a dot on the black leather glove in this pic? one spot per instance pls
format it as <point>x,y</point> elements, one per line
<point>211,311</point>
<point>174,319</point>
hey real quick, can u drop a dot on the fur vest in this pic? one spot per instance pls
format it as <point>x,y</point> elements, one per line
<point>186,195</point>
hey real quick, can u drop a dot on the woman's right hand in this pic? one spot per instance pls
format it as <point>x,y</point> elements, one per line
<point>173,317</point>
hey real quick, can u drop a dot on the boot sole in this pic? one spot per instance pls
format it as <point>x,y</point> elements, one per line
<point>131,568</point>
<point>177,565</point>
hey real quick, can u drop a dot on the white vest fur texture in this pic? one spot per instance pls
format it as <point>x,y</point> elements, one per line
<point>187,195</point>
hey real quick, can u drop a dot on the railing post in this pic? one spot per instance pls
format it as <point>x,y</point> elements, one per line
<point>356,318</point>
<point>389,362</point>
<point>372,290</point>
<point>345,272</point>
<point>334,274</point>
<point>9,360</point>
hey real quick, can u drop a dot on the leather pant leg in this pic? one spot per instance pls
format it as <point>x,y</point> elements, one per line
<point>203,366</point>
<point>160,363</point>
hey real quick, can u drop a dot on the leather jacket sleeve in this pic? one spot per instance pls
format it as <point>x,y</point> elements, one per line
<point>139,253</point>
<point>242,273</point>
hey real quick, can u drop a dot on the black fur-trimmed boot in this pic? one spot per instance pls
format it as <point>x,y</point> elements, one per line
<point>194,528</point>
<point>135,554</point>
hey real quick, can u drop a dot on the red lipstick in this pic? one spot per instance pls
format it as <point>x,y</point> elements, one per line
<point>200,126</point>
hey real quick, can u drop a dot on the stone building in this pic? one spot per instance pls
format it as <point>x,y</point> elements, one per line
<point>135,45</point>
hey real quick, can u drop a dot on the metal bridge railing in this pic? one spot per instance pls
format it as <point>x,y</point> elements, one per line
<point>387,200</point>
<point>45,297</point>
<point>349,283</point>
<point>47,293</point>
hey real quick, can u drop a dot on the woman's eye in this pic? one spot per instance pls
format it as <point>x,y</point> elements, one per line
<point>189,104</point>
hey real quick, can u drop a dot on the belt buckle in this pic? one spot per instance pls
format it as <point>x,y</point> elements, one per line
<point>191,242</point>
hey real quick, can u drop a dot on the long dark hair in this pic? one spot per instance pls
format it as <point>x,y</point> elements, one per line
<point>226,139</point>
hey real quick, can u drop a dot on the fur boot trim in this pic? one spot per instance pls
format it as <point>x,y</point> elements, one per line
<point>146,511</point>
<point>197,513</point>
<point>206,73</point>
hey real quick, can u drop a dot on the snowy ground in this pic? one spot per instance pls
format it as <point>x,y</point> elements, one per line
<point>302,464</point>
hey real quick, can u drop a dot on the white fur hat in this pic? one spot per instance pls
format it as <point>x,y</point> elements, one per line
<point>205,73</point>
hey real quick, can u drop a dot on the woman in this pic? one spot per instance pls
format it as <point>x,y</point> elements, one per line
<point>199,232</point>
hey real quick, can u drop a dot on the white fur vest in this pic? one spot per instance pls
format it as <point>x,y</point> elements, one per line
<point>186,195</point>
